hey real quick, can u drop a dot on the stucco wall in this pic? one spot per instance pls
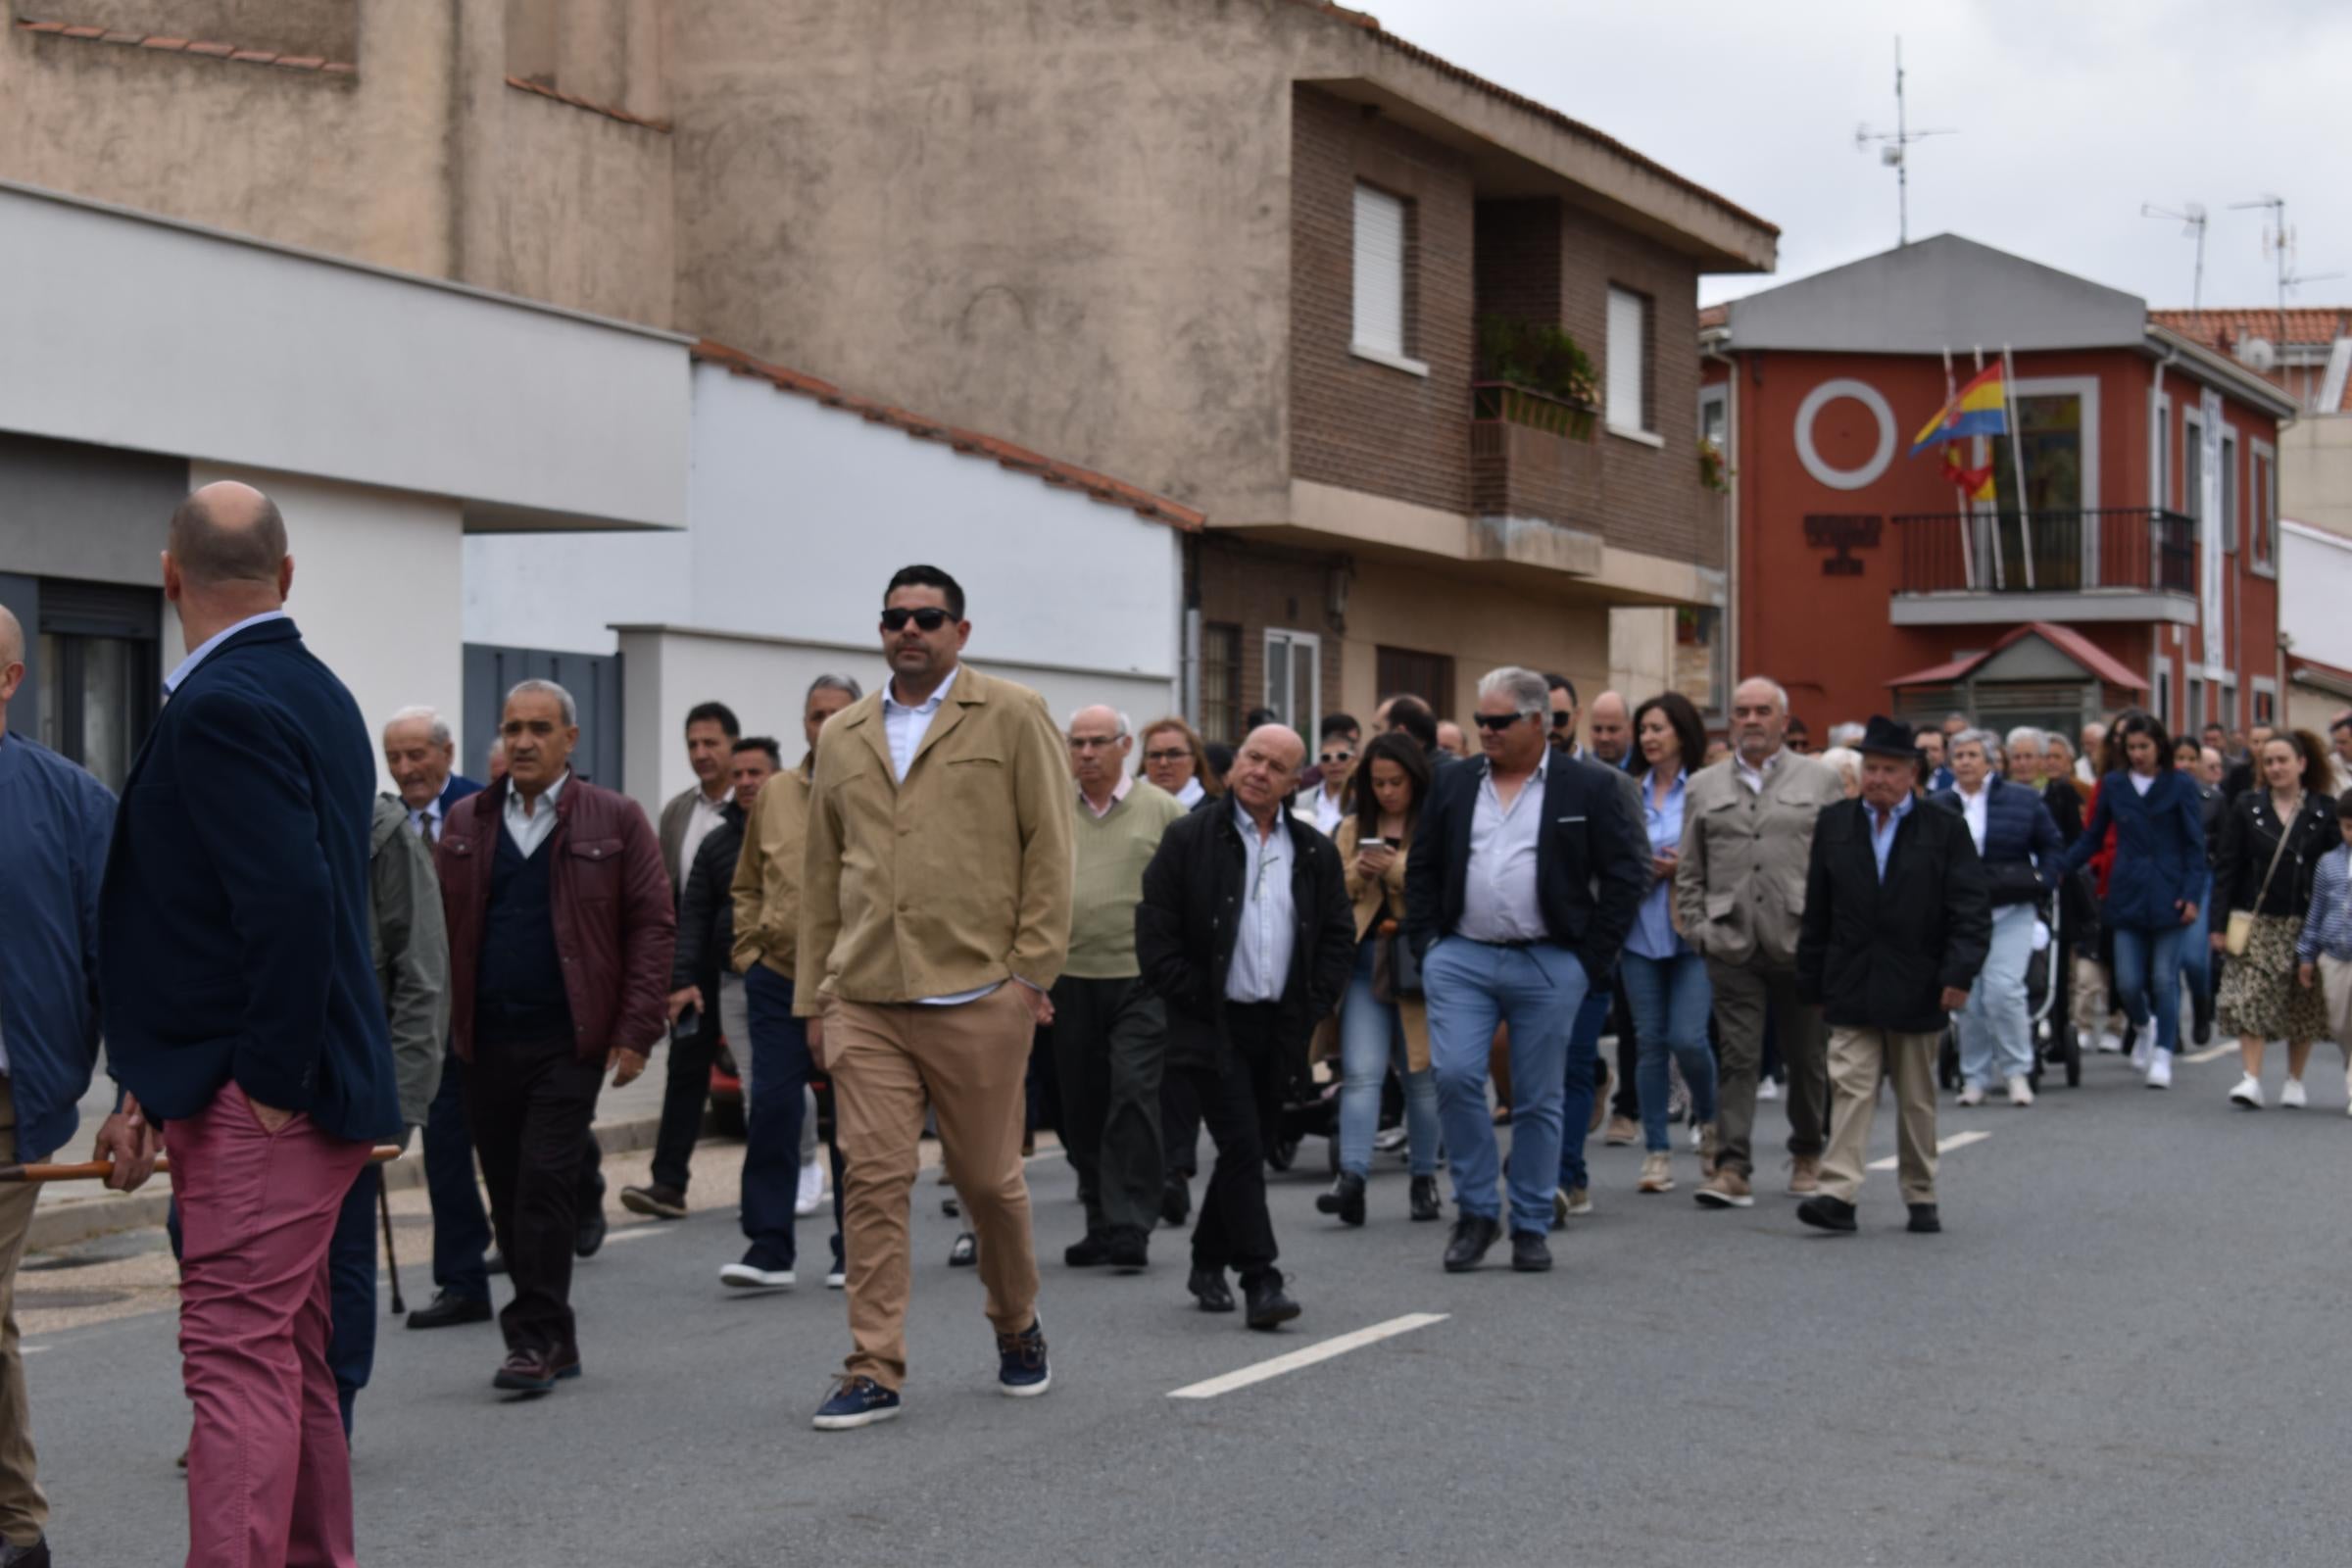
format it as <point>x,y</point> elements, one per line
<point>1481,625</point>
<point>324,27</point>
<point>2315,470</point>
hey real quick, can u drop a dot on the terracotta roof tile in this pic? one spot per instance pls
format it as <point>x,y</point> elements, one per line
<point>1009,455</point>
<point>2223,329</point>
<point>167,43</point>
<point>1370,24</point>
<point>525,84</point>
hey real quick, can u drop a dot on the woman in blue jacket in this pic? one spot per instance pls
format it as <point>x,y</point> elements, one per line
<point>2156,883</point>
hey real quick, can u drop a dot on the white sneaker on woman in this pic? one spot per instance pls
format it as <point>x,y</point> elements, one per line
<point>2292,1096</point>
<point>2021,1089</point>
<point>812,1195</point>
<point>1972,1095</point>
<point>2160,1069</point>
<point>2144,1048</point>
<point>2248,1093</point>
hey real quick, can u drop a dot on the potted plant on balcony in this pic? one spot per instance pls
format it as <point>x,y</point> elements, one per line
<point>1710,466</point>
<point>1537,375</point>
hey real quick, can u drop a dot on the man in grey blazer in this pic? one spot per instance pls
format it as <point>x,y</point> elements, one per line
<point>1738,898</point>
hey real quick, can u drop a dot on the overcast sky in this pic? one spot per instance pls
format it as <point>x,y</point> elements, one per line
<point>2070,112</point>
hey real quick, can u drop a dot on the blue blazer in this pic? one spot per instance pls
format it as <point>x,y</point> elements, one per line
<point>55,820</point>
<point>2159,849</point>
<point>455,789</point>
<point>1589,875</point>
<point>233,917</point>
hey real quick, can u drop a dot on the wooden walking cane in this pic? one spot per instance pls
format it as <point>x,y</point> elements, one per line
<point>99,1169</point>
<point>383,1199</point>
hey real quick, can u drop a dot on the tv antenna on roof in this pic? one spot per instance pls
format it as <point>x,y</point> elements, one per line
<point>1894,149</point>
<point>2191,218</point>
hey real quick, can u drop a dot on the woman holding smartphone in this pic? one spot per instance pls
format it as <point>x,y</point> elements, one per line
<point>1666,985</point>
<point>1378,1026</point>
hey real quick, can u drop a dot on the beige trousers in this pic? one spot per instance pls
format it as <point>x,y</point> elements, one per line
<point>1858,1058</point>
<point>23,1508</point>
<point>2336,990</point>
<point>972,1062</point>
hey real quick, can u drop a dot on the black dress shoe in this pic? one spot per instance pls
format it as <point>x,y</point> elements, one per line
<point>1091,1251</point>
<point>966,1253</point>
<point>1473,1234</point>
<point>1209,1287</point>
<point>1176,1201</point>
<point>591,1233</point>
<point>1925,1221</point>
<point>1426,1205</point>
<point>35,1556</point>
<point>494,1262</point>
<point>1828,1213</point>
<point>527,1371</point>
<point>2201,1012</point>
<point>1128,1251</point>
<point>1530,1253</point>
<point>448,1309</point>
<point>1269,1308</point>
<point>1345,1199</point>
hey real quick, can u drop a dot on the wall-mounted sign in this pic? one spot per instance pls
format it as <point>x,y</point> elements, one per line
<point>1821,397</point>
<point>1844,533</point>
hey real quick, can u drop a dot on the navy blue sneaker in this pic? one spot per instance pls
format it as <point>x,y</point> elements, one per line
<point>857,1402</point>
<point>1021,1362</point>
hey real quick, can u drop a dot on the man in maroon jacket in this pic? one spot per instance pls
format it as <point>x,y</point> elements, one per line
<point>561,934</point>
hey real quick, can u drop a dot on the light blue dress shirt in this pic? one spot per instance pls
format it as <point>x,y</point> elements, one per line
<point>1881,837</point>
<point>1499,903</point>
<point>1652,936</point>
<point>204,649</point>
<point>1261,948</point>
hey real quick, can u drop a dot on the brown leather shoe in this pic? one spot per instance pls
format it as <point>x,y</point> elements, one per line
<point>1804,1176</point>
<point>527,1371</point>
<point>1621,1133</point>
<point>1725,1188</point>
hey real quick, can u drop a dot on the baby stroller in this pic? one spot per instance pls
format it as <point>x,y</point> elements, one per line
<point>2045,984</point>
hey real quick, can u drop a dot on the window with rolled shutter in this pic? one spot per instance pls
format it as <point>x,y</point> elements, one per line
<point>1627,353</point>
<point>1380,240</point>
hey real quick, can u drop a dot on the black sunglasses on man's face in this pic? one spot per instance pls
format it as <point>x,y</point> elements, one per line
<point>1499,723</point>
<point>1561,717</point>
<point>930,619</point>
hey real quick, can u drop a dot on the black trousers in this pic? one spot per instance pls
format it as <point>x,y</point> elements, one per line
<point>1111,1039</point>
<point>530,1106</point>
<point>686,1091</point>
<point>1238,1100</point>
<point>1627,1102</point>
<point>1179,1125</point>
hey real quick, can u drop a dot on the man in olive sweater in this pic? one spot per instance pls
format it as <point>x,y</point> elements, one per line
<point>1110,1030</point>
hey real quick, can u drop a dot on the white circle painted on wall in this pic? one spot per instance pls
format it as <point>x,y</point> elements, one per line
<point>1821,397</point>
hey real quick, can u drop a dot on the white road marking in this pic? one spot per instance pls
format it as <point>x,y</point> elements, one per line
<point>1943,1145</point>
<point>1308,1357</point>
<point>30,1350</point>
<point>2226,1048</point>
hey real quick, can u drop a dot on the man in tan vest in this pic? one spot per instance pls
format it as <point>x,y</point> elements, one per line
<point>1738,900</point>
<point>935,917</point>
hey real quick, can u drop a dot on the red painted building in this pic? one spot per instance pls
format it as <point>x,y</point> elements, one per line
<point>2145,530</point>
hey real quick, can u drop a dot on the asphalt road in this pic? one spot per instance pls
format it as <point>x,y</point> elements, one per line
<point>2126,1348</point>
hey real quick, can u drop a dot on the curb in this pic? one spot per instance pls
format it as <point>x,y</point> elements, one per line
<point>82,1221</point>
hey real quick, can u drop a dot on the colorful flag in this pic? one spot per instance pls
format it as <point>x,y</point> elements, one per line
<point>1975,484</point>
<point>1980,407</point>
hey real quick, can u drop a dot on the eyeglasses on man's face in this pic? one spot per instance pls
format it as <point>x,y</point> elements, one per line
<point>1496,723</point>
<point>929,618</point>
<point>1092,742</point>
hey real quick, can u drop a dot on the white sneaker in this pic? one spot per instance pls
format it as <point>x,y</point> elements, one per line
<point>2021,1089</point>
<point>749,1276</point>
<point>1767,1090</point>
<point>812,1189</point>
<point>2292,1096</point>
<point>1972,1095</point>
<point>2143,1050</point>
<point>837,1278</point>
<point>2160,1069</point>
<point>2109,1043</point>
<point>2248,1093</point>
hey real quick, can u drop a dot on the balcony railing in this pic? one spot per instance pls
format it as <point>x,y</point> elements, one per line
<point>2125,548</point>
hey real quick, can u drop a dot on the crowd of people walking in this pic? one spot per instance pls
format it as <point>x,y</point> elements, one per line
<point>954,907</point>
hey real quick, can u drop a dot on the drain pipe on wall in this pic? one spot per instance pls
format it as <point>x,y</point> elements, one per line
<point>1731,497</point>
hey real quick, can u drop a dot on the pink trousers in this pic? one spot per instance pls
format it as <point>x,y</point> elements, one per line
<point>268,1475</point>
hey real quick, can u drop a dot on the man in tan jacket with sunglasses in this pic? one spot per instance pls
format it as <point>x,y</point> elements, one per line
<point>935,917</point>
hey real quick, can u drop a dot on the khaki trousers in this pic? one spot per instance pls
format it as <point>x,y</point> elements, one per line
<point>972,1062</point>
<point>1858,1058</point>
<point>2336,990</point>
<point>23,1509</point>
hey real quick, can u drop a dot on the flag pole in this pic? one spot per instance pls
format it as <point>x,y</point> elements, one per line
<point>2017,457</point>
<point>2000,571</point>
<point>1968,549</point>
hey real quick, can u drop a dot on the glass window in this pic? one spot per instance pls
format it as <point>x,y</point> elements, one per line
<point>1627,369</point>
<point>97,699</point>
<point>2263,481</point>
<point>2050,427</point>
<point>1380,243</point>
<point>1220,682</point>
<point>2230,492</point>
<point>1294,678</point>
<point>1699,656</point>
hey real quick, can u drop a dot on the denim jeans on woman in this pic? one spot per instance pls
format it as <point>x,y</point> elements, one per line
<point>1671,1002</point>
<point>1371,1038</point>
<point>2147,979</point>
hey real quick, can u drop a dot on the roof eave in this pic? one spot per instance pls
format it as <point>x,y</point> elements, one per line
<point>2221,368</point>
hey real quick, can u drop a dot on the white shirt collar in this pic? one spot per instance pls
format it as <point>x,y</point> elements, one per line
<point>1249,824</point>
<point>929,705</point>
<point>546,801</point>
<point>202,650</point>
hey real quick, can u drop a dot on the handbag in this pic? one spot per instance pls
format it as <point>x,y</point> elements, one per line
<point>2240,932</point>
<point>1396,970</point>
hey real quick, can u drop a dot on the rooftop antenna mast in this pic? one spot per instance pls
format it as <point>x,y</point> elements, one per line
<point>2279,241</point>
<point>1894,149</point>
<point>2191,218</point>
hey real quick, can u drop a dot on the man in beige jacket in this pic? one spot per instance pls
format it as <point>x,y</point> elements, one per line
<point>935,917</point>
<point>1738,898</point>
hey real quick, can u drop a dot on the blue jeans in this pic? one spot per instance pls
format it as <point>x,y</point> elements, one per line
<point>461,1229</point>
<point>2196,949</point>
<point>1671,1002</point>
<point>2147,978</point>
<point>1995,1034</point>
<point>1578,1069</point>
<point>1371,1037</point>
<point>771,1123</point>
<point>1472,986</point>
<point>350,1287</point>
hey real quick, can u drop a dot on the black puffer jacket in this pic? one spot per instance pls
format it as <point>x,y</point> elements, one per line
<point>707,909</point>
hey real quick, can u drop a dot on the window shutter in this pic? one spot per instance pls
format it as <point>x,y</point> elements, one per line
<point>1628,332</point>
<point>1379,271</point>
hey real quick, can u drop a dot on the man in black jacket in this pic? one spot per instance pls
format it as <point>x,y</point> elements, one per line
<point>1523,882</point>
<point>702,979</point>
<point>1246,933</point>
<point>1897,922</point>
